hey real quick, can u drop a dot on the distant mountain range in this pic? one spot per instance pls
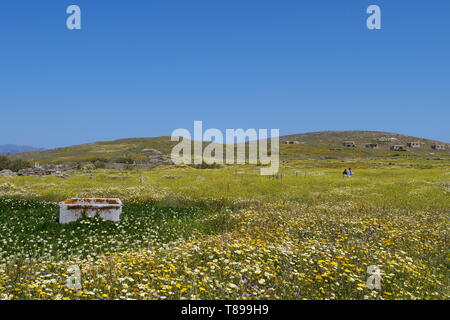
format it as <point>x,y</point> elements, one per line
<point>12,148</point>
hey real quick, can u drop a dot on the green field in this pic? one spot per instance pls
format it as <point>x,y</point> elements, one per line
<point>230,233</point>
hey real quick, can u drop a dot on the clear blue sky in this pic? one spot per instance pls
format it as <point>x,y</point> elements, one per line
<point>143,68</point>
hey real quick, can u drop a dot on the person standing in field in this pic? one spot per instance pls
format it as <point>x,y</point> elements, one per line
<point>349,172</point>
<point>345,173</point>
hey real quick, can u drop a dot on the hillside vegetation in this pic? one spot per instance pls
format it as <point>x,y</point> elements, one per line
<point>326,144</point>
<point>104,150</point>
<point>330,144</point>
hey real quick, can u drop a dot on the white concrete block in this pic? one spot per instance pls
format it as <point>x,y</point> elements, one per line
<point>71,210</point>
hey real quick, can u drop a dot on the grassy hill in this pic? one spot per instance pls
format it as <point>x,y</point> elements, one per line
<point>330,144</point>
<point>103,150</point>
<point>325,144</point>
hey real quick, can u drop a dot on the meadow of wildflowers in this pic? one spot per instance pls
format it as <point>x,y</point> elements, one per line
<point>231,234</point>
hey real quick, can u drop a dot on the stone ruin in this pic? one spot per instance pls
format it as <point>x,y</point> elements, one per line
<point>7,173</point>
<point>39,172</point>
<point>154,158</point>
<point>57,170</point>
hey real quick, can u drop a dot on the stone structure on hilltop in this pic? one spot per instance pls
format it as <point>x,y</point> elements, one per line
<point>292,142</point>
<point>372,145</point>
<point>414,144</point>
<point>349,144</point>
<point>439,147</point>
<point>398,148</point>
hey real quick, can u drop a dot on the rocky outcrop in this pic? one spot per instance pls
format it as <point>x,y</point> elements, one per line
<point>58,170</point>
<point>160,161</point>
<point>7,173</point>
<point>60,174</point>
<point>40,171</point>
<point>34,172</point>
<point>156,158</point>
<point>66,166</point>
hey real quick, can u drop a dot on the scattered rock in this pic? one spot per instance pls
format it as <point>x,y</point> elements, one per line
<point>88,166</point>
<point>59,174</point>
<point>42,171</point>
<point>152,152</point>
<point>7,173</point>
<point>156,158</point>
<point>160,161</point>
<point>116,166</point>
<point>67,166</point>
<point>34,172</point>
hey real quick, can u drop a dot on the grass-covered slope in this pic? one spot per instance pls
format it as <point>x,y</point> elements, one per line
<point>312,145</point>
<point>330,144</point>
<point>103,150</point>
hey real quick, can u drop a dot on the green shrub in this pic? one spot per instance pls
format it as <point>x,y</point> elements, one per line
<point>125,160</point>
<point>205,165</point>
<point>13,165</point>
<point>100,164</point>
